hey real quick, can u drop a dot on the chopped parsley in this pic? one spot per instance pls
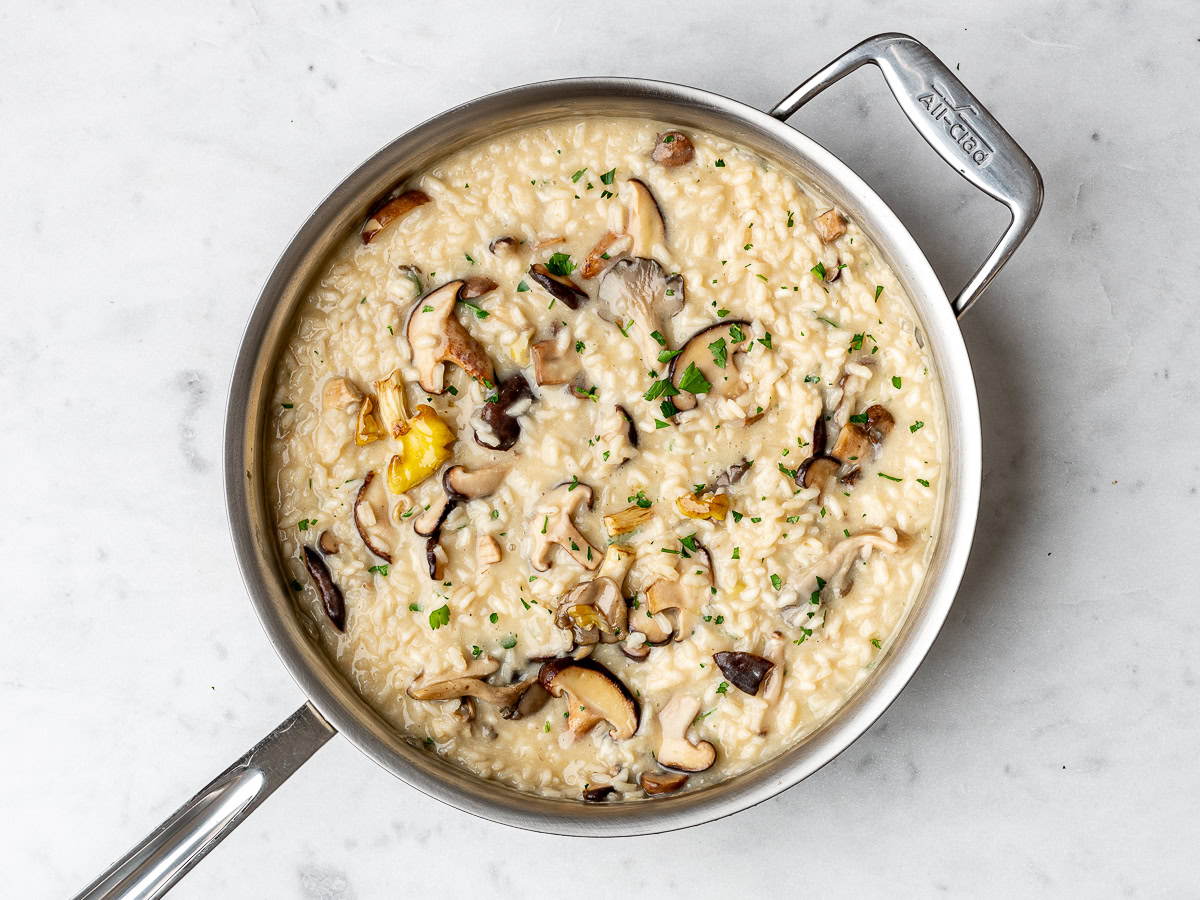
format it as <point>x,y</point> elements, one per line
<point>665,356</point>
<point>896,381</point>
<point>287,405</point>
<point>575,178</point>
<point>560,264</point>
<point>476,651</point>
<point>722,687</point>
<point>522,287</point>
<point>776,582</point>
<point>737,517</point>
<point>693,381</point>
<point>875,643</point>
<point>736,334</point>
<point>379,570</point>
<point>439,617</point>
<point>766,340</point>
<point>493,618</point>
<point>609,176</point>
<point>812,379</point>
<point>414,607</point>
<point>658,338</point>
<point>878,291</point>
<point>508,642</point>
<point>922,482</point>
<point>305,524</point>
<point>719,352</point>
<point>720,164</point>
<point>859,419</point>
<point>469,259</point>
<point>737,553</point>
<point>888,477</point>
<point>916,426</point>
<point>428,308</point>
<point>640,499</point>
<point>791,221</point>
<point>828,321</point>
<point>722,313</point>
<point>662,388</point>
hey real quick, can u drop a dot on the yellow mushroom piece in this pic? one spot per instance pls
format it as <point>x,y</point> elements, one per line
<point>424,446</point>
<point>368,428</point>
<point>704,506</point>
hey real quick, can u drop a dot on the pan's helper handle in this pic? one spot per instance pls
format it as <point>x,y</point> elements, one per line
<point>955,124</point>
<point>153,866</point>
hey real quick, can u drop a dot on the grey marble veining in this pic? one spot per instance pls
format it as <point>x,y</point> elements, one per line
<point>155,159</point>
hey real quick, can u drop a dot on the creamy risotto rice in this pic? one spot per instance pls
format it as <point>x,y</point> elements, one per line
<point>605,459</point>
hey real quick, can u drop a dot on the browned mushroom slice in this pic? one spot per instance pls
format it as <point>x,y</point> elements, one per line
<point>710,354</point>
<point>646,225</point>
<point>560,287</point>
<point>392,407</point>
<point>640,290</point>
<point>684,597</point>
<point>879,423</point>
<point>676,751</point>
<point>818,472</point>
<point>429,526</point>
<point>633,432</point>
<point>496,423</point>
<point>367,429</point>
<point>598,794</point>
<point>503,245</point>
<point>331,594</point>
<point>328,543</point>
<point>609,246</point>
<point>554,362</point>
<point>655,783</point>
<point>594,611</point>
<point>552,525</point>
<point>592,693</point>
<point>775,652</point>
<point>372,519</point>
<point>733,474</point>
<point>463,485</point>
<point>852,444</point>
<point>656,629</point>
<point>745,671</point>
<point>390,211</point>
<point>477,286</point>
<point>487,551</point>
<point>436,337</point>
<point>531,701</point>
<point>673,148</point>
<point>830,225</point>
<point>457,685</point>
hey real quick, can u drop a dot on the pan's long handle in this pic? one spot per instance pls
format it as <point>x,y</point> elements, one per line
<point>955,124</point>
<point>153,866</point>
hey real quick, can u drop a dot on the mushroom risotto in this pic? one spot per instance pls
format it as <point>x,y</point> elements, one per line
<point>606,459</point>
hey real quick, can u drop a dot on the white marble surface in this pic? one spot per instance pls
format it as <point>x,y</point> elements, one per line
<point>154,160</point>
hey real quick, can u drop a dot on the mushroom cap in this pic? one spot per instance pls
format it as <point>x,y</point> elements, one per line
<point>673,148</point>
<point>372,519</point>
<point>331,594</point>
<point>724,381</point>
<point>391,210</point>
<point>500,416</point>
<point>464,485</point>
<point>646,224</point>
<point>745,671</point>
<point>560,287</point>
<point>556,510</point>
<point>662,782</point>
<point>435,337</point>
<point>598,691</point>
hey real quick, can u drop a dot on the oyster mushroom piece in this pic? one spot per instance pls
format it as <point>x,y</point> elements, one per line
<point>676,751</point>
<point>685,596</point>
<point>654,783</point>
<point>700,358</point>
<point>835,570</point>
<point>331,594</point>
<point>371,518</point>
<point>830,225</point>
<point>593,693</point>
<point>367,429</point>
<point>392,407</point>
<point>390,211</point>
<point>436,337</point>
<point>646,225</point>
<point>496,424</point>
<point>487,551</point>
<point>879,423</point>
<point>640,290</point>
<point>554,362</point>
<point>629,519</point>
<point>673,148</point>
<point>745,671</point>
<point>552,524</point>
<point>463,485</point>
<point>560,287</point>
<point>429,526</point>
<point>594,611</point>
<point>461,684</point>
<point>852,445</point>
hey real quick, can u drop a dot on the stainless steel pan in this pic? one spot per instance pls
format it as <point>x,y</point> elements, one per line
<point>954,123</point>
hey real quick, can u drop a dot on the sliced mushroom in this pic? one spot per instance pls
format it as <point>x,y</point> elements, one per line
<point>390,211</point>
<point>835,571</point>
<point>852,444</point>
<point>463,485</point>
<point>331,594</point>
<point>594,611</point>
<point>436,337</point>
<point>496,423</point>
<point>676,751</point>
<point>629,519</point>
<point>340,393</point>
<point>598,794</point>
<point>428,522</point>
<point>655,783</point>
<point>413,274</point>
<point>367,429</point>
<point>552,524</point>
<point>724,381</point>
<point>818,471</point>
<point>830,225</point>
<point>685,596</point>
<point>593,693</point>
<point>371,518</point>
<point>477,286</point>
<point>457,685</point>
<point>560,287</point>
<point>328,543</point>
<point>745,671</point>
<point>657,629</point>
<point>640,290</point>
<point>554,362</point>
<point>617,563</point>
<point>487,551</point>
<point>646,225</point>
<point>843,397</point>
<point>503,245</point>
<point>733,474</point>
<point>531,701</point>
<point>633,432</point>
<point>607,248</point>
<point>775,652</point>
<point>673,148</point>
<point>879,423</point>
